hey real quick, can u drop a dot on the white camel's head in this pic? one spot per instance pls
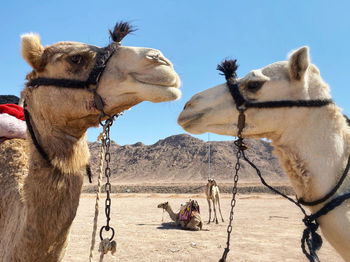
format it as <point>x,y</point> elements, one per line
<point>211,182</point>
<point>132,75</point>
<point>214,110</point>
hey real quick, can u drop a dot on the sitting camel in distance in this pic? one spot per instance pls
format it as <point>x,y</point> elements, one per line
<point>194,221</point>
<point>40,196</point>
<point>312,143</point>
<point>212,193</point>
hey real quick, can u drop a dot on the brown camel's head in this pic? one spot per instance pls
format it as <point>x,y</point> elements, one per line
<point>163,205</point>
<point>132,75</point>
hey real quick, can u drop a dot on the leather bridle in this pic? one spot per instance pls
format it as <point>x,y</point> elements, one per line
<point>228,68</point>
<point>90,84</point>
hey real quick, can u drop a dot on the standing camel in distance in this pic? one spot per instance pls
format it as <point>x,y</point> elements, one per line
<point>39,196</point>
<point>311,143</point>
<point>212,193</point>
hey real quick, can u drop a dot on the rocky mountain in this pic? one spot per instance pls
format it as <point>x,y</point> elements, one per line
<point>183,158</point>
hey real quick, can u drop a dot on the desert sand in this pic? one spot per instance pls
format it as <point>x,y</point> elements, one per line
<point>265,228</point>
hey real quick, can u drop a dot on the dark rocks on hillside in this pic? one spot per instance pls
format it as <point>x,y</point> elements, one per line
<point>182,158</point>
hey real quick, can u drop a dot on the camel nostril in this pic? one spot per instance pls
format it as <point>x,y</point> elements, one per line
<point>164,61</point>
<point>187,105</point>
<point>158,58</point>
<point>153,57</point>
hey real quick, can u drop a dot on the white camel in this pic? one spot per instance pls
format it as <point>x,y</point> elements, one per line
<point>212,193</point>
<point>312,144</point>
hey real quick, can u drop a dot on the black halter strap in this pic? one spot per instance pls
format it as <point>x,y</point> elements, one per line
<point>32,135</point>
<point>93,79</point>
<point>243,104</point>
<point>94,76</point>
<point>331,193</point>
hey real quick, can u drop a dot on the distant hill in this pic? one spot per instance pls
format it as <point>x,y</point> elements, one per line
<point>183,158</point>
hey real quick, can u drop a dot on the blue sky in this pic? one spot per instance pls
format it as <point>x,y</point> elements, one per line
<point>194,35</point>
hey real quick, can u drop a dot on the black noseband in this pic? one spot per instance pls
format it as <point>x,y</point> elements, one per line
<point>94,76</point>
<point>91,84</point>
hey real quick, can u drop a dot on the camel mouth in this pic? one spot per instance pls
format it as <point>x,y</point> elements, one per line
<point>194,123</point>
<point>160,83</point>
<point>162,90</point>
<point>170,84</point>
<point>189,120</point>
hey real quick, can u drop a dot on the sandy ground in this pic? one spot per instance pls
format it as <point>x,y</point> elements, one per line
<point>265,228</point>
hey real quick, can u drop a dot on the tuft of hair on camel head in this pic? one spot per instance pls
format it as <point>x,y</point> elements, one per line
<point>121,29</point>
<point>228,68</point>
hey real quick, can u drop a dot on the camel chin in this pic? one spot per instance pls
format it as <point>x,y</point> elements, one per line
<point>157,93</point>
<point>164,94</point>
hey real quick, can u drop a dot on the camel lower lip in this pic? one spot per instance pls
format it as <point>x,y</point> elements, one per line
<point>170,84</point>
<point>189,120</point>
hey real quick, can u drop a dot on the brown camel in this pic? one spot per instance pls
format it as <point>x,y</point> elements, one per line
<point>39,198</point>
<point>194,223</point>
<point>212,193</point>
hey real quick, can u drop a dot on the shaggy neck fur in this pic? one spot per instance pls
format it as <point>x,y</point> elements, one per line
<point>315,159</point>
<point>51,194</point>
<point>311,155</point>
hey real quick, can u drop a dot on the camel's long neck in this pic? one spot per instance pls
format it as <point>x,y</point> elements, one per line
<point>314,155</point>
<point>173,216</point>
<point>51,196</point>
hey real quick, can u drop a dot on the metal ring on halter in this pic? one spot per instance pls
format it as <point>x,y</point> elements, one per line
<point>103,114</point>
<point>105,227</point>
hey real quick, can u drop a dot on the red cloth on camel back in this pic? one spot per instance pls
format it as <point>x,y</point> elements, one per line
<point>186,211</point>
<point>13,110</point>
<point>12,124</point>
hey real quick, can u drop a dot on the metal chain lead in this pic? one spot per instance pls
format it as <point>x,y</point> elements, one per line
<point>106,142</point>
<point>233,201</point>
<point>241,146</point>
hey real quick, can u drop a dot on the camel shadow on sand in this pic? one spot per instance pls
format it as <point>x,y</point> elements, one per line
<point>169,226</point>
<point>172,226</point>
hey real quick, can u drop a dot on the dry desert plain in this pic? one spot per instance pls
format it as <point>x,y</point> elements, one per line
<point>265,228</point>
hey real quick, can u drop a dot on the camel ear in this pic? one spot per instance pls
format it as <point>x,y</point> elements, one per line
<point>32,50</point>
<point>299,61</point>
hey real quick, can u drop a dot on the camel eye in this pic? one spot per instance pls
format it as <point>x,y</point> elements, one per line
<point>76,59</point>
<point>254,86</point>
